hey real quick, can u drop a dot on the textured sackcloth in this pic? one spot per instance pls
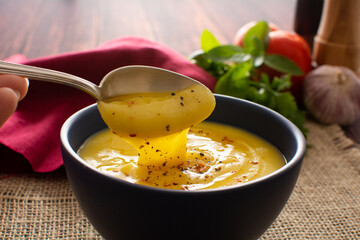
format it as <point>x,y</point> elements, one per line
<point>324,204</point>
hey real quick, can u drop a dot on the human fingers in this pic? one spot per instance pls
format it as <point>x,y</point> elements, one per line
<point>8,103</point>
<point>17,83</point>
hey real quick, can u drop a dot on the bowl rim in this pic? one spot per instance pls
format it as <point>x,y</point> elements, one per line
<point>296,159</point>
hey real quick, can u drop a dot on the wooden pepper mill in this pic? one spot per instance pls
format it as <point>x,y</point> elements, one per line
<point>338,38</point>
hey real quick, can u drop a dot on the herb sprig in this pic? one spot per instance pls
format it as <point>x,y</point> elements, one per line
<point>237,70</point>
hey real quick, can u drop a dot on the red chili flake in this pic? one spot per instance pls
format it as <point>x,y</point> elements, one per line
<point>130,103</point>
<point>132,135</point>
<point>185,188</point>
<point>167,127</point>
<point>227,139</point>
<point>113,113</point>
<point>238,180</point>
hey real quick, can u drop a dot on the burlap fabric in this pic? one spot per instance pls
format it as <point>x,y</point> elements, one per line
<point>324,205</point>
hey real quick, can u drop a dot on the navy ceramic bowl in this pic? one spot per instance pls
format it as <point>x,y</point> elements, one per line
<point>127,211</point>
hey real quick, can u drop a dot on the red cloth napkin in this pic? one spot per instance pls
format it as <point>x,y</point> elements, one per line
<point>34,129</point>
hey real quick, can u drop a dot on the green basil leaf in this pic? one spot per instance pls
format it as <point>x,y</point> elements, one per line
<point>208,41</point>
<point>258,60</point>
<point>257,37</point>
<point>235,82</point>
<point>228,53</point>
<point>199,58</point>
<point>240,71</point>
<point>282,64</point>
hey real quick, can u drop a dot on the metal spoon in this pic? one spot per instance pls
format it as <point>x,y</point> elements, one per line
<point>121,81</point>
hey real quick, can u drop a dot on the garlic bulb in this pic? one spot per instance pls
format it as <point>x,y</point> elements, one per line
<point>332,94</point>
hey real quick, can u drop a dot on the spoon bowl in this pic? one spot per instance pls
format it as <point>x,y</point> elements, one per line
<point>121,81</point>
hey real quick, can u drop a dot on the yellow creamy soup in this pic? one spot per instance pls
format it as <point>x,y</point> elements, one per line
<point>156,124</point>
<point>217,155</point>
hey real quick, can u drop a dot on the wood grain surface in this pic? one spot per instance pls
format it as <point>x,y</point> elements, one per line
<point>41,27</point>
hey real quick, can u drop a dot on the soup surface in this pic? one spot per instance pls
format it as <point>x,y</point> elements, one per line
<point>216,155</point>
<point>156,124</point>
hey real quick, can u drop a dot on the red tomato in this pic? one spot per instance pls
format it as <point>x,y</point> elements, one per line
<point>239,37</point>
<point>287,44</point>
<point>294,47</point>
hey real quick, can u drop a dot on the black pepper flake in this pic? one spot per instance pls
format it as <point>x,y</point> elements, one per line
<point>201,154</point>
<point>164,164</point>
<point>147,143</point>
<point>157,150</point>
<point>132,135</point>
<point>175,184</point>
<point>113,113</point>
<point>182,98</point>
<point>192,91</point>
<point>173,94</point>
<point>182,104</point>
<point>167,127</point>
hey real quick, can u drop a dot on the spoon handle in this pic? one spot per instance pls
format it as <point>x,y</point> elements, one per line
<point>42,74</point>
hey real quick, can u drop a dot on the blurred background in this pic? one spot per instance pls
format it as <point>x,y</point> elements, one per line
<point>41,27</point>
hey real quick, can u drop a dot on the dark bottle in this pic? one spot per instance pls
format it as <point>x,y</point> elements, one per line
<point>307,18</point>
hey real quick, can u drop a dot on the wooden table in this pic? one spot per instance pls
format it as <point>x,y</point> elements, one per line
<point>40,27</point>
